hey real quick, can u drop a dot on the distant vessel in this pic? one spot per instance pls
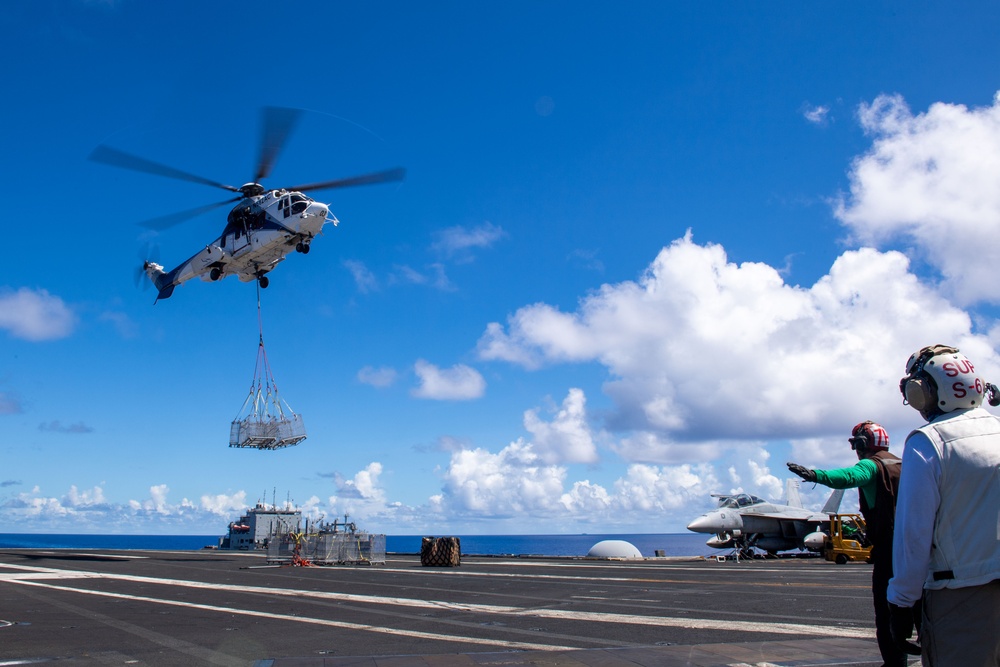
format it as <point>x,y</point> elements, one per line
<point>260,525</point>
<point>279,532</point>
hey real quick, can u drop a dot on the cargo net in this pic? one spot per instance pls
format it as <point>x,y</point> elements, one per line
<point>440,552</point>
<point>326,548</point>
<point>265,421</point>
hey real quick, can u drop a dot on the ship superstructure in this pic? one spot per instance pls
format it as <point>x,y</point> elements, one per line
<point>259,526</point>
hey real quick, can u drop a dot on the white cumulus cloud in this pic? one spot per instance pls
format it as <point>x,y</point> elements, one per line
<point>383,376</point>
<point>930,179</point>
<point>817,114</point>
<point>224,504</point>
<point>702,349</point>
<point>512,482</point>
<point>567,438</point>
<point>35,315</point>
<point>458,383</point>
<point>363,276</point>
<point>458,241</point>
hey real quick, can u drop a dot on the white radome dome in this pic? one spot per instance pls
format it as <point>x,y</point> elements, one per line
<point>614,549</point>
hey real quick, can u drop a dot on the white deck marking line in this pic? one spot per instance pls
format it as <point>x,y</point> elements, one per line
<point>305,619</point>
<point>620,565</point>
<point>93,555</point>
<point>634,619</point>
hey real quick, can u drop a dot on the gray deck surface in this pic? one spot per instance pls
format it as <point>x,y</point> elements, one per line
<point>77,607</point>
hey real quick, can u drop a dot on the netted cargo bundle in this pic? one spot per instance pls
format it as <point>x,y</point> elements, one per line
<point>348,548</point>
<point>265,421</point>
<point>328,549</point>
<point>269,433</point>
<point>441,552</point>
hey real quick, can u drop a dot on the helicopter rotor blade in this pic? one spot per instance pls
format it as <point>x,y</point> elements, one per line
<point>277,127</point>
<point>386,176</point>
<point>166,221</point>
<point>117,158</point>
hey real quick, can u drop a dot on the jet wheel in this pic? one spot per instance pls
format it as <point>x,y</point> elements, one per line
<point>263,282</point>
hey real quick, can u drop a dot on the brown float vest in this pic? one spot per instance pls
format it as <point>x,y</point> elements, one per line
<point>880,519</point>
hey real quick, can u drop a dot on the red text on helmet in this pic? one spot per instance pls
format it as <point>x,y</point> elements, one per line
<point>953,368</point>
<point>959,389</point>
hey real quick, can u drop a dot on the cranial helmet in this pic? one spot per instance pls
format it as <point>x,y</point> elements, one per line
<point>869,435</point>
<point>939,379</point>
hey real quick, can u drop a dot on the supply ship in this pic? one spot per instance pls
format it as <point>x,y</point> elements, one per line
<point>258,526</point>
<point>279,532</point>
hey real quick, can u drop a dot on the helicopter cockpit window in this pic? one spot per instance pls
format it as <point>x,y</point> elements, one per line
<point>299,207</point>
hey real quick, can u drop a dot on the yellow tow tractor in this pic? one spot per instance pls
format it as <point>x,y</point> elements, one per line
<point>848,540</point>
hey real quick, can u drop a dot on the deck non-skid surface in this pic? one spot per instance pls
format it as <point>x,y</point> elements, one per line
<point>175,608</point>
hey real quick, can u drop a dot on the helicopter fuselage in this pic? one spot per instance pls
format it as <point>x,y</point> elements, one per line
<point>260,231</point>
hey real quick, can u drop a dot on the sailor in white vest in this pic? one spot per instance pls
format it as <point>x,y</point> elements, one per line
<point>946,547</point>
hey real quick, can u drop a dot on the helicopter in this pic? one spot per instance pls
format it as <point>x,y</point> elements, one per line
<point>262,228</point>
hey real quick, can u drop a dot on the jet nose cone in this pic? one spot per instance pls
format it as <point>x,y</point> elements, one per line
<point>706,523</point>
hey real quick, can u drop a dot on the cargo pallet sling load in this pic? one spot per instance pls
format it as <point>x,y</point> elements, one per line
<point>265,421</point>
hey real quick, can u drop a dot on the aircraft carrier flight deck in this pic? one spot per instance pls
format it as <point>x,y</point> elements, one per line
<point>98,607</point>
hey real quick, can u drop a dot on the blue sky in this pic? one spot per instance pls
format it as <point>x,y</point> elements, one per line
<point>642,254</point>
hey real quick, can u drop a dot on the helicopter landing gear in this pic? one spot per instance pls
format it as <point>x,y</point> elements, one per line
<point>302,247</point>
<point>263,282</point>
<point>215,273</point>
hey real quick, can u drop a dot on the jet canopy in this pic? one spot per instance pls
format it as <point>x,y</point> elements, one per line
<point>739,500</point>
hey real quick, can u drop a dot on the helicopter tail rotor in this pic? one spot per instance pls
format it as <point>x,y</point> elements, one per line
<point>149,255</point>
<point>164,281</point>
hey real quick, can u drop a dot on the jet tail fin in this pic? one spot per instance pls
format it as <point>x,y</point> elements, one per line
<point>833,502</point>
<point>792,498</point>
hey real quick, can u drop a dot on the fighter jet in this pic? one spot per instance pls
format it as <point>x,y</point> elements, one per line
<point>743,522</point>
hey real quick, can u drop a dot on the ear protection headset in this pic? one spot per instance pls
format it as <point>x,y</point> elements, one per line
<point>924,370</point>
<point>869,435</point>
<point>919,389</point>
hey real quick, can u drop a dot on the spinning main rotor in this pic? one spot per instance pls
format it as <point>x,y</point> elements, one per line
<point>278,123</point>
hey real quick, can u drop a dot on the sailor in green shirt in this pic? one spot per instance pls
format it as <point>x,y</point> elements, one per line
<point>876,477</point>
<point>861,476</point>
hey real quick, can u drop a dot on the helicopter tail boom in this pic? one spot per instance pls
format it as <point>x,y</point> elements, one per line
<point>162,280</point>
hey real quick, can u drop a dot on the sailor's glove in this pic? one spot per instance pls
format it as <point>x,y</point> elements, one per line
<point>901,622</point>
<point>802,471</point>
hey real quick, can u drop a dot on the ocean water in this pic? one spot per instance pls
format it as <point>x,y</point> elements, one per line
<point>679,544</point>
